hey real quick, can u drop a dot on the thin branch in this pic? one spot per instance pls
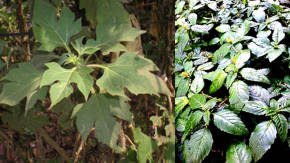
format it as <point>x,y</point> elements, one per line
<point>50,141</point>
<point>77,154</point>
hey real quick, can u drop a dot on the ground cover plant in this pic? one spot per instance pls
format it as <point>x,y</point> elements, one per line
<point>232,81</point>
<point>70,71</point>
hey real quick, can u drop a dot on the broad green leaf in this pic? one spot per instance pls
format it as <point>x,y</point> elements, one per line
<point>239,93</point>
<point>255,107</point>
<point>281,125</point>
<point>229,122</point>
<point>197,84</point>
<point>206,117</point>
<point>64,77</point>
<point>223,28</point>
<point>90,7</point>
<point>192,18</point>
<point>23,80</point>
<point>191,123</point>
<point>239,153</point>
<point>254,75</point>
<point>198,147</point>
<point>145,146</point>
<point>243,57</point>
<point>24,124</point>
<point>180,103</point>
<point>197,101</point>
<point>109,36</point>
<point>264,34</point>
<point>130,71</point>
<point>262,138</point>
<point>231,77</point>
<point>210,104</point>
<point>214,41</point>
<point>257,50</point>
<point>64,110</point>
<point>182,87</point>
<point>96,112</point>
<point>201,28</point>
<point>89,48</point>
<point>50,31</point>
<point>275,53</point>
<point>259,93</point>
<point>259,15</point>
<point>34,96</point>
<point>278,34</point>
<point>221,52</point>
<point>218,81</point>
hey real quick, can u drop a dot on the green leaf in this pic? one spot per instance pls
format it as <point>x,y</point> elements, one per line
<point>109,36</point>
<point>275,53</point>
<point>197,84</point>
<point>223,28</point>
<point>221,52</point>
<point>262,138</point>
<point>206,117</point>
<point>145,146</point>
<point>89,48</point>
<point>239,93</point>
<point>63,88</point>
<point>201,28</point>
<point>214,41</point>
<point>210,104</point>
<point>19,122</point>
<point>192,18</point>
<point>229,122</point>
<point>239,153</point>
<point>191,123</point>
<point>259,93</point>
<point>255,107</point>
<point>182,87</point>
<point>64,110</point>
<point>254,75</point>
<point>259,15</point>
<point>197,101</point>
<point>198,147</point>
<point>218,81</point>
<point>278,34</point>
<point>34,96</point>
<point>49,31</point>
<point>91,10</point>
<point>231,77</point>
<point>96,112</point>
<point>130,71</point>
<point>243,57</point>
<point>180,103</point>
<point>23,80</point>
<point>281,124</point>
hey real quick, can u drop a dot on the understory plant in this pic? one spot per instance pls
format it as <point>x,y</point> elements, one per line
<point>231,79</point>
<point>87,78</point>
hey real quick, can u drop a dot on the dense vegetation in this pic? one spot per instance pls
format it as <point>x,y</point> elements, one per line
<point>232,61</point>
<point>70,75</point>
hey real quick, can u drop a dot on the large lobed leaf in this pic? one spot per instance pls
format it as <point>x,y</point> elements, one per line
<point>49,31</point>
<point>131,71</point>
<point>23,80</point>
<point>98,112</point>
<point>145,146</point>
<point>64,77</point>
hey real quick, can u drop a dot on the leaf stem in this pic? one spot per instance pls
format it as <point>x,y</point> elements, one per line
<point>96,66</point>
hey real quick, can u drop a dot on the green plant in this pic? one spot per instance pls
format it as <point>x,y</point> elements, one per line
<point>93,68</point>
<point>227,54</point>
